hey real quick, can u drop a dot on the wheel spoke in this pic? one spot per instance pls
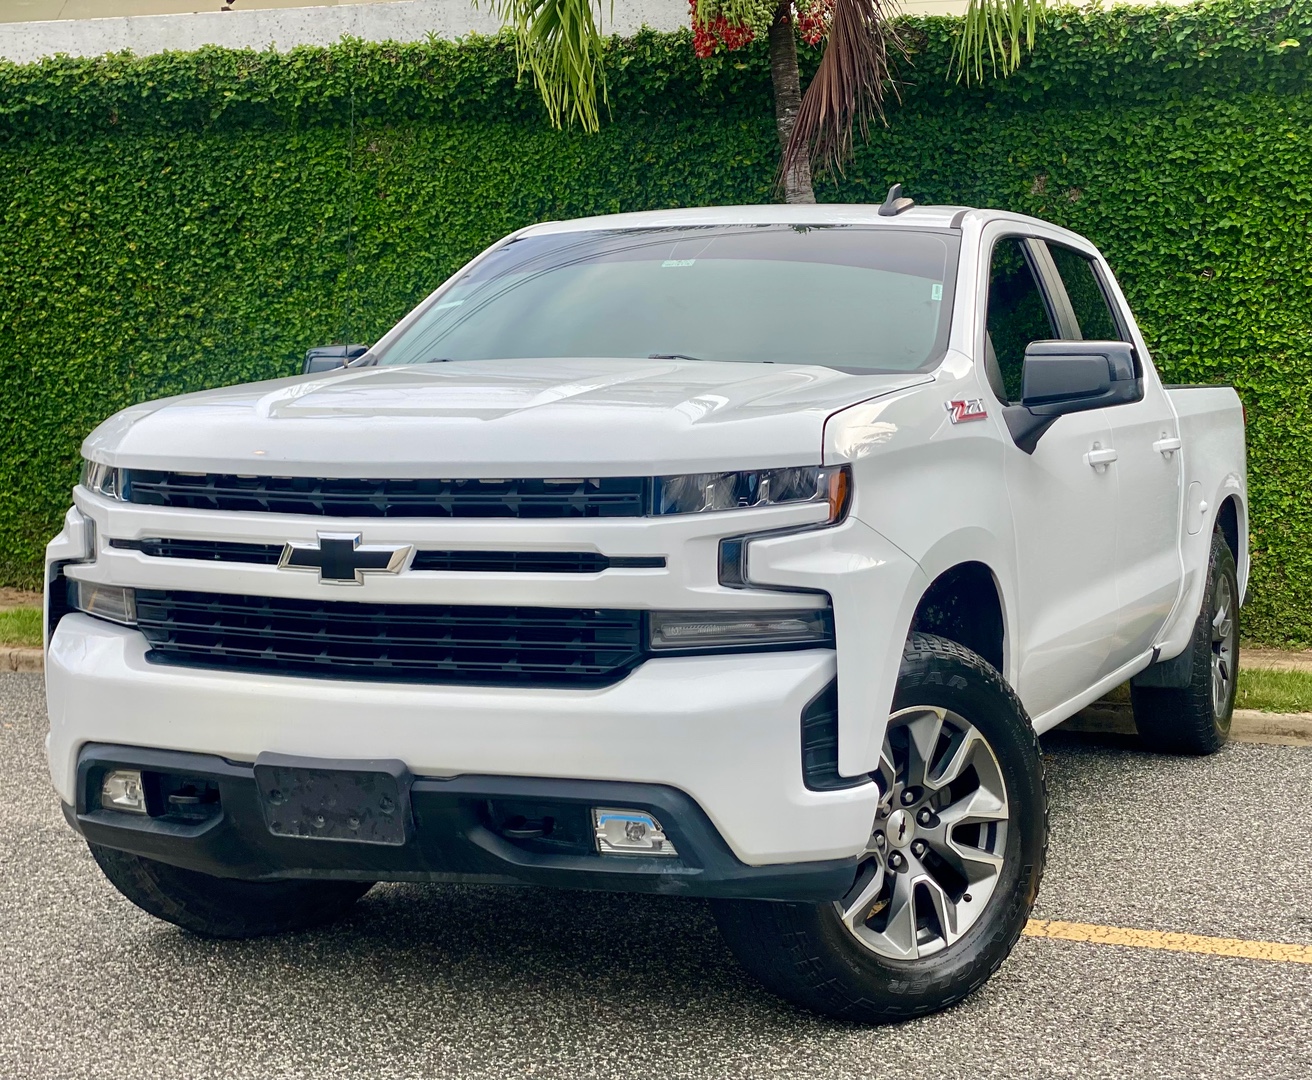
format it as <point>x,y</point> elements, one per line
<point>945,909</point>
<point>922,739</point>
<point>900,933</point>
<point>1221,626</point>
<point>980,806</point>
<point>960,754</point>
<point>856,912</point>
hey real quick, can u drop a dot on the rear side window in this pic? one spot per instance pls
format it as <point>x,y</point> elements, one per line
<point>1017,315</point>
<point>1088,301</point>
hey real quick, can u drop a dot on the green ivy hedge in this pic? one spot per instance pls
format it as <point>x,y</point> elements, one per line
<point>186,220</point>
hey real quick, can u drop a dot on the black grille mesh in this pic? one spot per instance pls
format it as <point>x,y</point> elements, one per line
<point>396,642</point>
<point>577,498</point>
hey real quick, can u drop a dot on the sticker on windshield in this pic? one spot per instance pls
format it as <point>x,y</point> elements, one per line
<point>936,291</point>
<point>678,262</point>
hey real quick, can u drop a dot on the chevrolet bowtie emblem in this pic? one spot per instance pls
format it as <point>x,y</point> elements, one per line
<point>342,560</point>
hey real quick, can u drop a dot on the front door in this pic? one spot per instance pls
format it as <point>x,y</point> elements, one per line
<point>1063,507</point>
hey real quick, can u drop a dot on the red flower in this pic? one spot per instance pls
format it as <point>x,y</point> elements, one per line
<point>707,37</point>
<point>813,23</point>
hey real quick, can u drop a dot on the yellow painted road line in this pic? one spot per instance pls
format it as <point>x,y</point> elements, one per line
<point>1157,939</point>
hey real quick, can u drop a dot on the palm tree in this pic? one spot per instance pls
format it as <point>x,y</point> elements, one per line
<point>561,44</point>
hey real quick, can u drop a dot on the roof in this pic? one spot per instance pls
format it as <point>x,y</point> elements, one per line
<point>932,217</point>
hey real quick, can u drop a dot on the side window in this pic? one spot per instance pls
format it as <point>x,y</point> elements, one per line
<point>1017,315</point>
<point>1088,301</point>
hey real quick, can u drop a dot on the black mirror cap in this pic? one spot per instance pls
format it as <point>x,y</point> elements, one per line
<point>1063,377</point>
<point>1071,376</point>
<point>330,357</point>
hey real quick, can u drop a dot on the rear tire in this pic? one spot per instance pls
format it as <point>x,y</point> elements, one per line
<point>1195,719</point>
<point>845,960</point>
<point>217,907</point>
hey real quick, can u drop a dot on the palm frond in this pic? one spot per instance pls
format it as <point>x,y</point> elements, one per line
<point>847,91</point>
<point>560,42</point>
<point>1002,30</point>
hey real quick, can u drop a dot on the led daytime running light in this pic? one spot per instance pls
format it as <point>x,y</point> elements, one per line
<point>700,630</point>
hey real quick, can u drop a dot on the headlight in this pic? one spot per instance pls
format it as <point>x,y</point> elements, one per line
<point>698,630</point>
<point>695,493</point>
<point>112,602</point>
<point>102,479</point>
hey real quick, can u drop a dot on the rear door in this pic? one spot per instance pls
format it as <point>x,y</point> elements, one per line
<point>1064,509</point>
<point>1145,437</point>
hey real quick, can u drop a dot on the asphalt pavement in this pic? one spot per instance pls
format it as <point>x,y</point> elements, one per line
<point>454,981</point>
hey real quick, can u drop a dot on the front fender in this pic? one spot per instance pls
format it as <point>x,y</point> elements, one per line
<point>874,587</point>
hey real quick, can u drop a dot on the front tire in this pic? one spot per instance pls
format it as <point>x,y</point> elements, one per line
<point>1195,719</point>
<point>952,869</point>
<point>217,907</point>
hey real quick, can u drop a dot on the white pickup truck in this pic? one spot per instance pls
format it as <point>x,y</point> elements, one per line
<point>737,553</point>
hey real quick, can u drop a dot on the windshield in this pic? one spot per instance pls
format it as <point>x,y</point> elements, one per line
<point>874,299</point>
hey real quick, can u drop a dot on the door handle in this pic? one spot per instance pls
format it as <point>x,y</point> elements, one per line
<point>1167,445</point>
<point>1100,457</point>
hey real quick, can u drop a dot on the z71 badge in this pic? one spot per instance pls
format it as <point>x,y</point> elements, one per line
<point>959,412</point>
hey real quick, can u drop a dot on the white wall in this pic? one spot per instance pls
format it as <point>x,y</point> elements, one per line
<point>283,28</point>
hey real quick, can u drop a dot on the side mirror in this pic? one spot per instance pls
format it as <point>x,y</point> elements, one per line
<point>328,357</point>
<point>1061,377</point>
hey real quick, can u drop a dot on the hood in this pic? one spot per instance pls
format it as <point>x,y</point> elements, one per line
<point>497,418</point>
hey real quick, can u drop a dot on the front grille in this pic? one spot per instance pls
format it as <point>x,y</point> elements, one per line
<point>480,562</point>
<point>820,744</point>
<point>574,498</point>
<point>396,642</point>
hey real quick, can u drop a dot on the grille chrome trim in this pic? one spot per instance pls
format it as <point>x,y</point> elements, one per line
<point>369,498</point>
<point>457,561</point>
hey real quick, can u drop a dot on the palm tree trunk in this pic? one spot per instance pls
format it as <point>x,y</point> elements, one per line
<point>787,100</point>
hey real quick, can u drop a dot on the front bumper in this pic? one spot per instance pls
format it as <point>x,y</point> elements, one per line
<point>459,833</point>
<point>722,730</point>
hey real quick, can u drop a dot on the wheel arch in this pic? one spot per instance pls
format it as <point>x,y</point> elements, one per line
<point>1232,521</point>
<point>964,603</point>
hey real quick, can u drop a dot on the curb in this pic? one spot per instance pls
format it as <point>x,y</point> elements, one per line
<point>1247,725</point>
<point>1276,660</point>
<point>12,659</point>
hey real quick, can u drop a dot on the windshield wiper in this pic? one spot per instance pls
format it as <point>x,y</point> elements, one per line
<point>685,356</point>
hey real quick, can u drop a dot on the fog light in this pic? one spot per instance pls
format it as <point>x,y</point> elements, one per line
<point>629,832</point>
<point>122,791</point>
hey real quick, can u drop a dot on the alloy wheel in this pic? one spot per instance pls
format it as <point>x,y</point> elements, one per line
<point>935,854</point>
<point>1224,644</point>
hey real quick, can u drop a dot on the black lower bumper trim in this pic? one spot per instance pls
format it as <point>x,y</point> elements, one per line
<point>475,829</point>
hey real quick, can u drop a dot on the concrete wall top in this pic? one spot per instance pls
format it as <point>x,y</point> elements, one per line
<point>285,27</point>
<point>32,29</point>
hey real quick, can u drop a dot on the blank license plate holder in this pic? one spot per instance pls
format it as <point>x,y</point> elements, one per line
<point>361,802</point>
